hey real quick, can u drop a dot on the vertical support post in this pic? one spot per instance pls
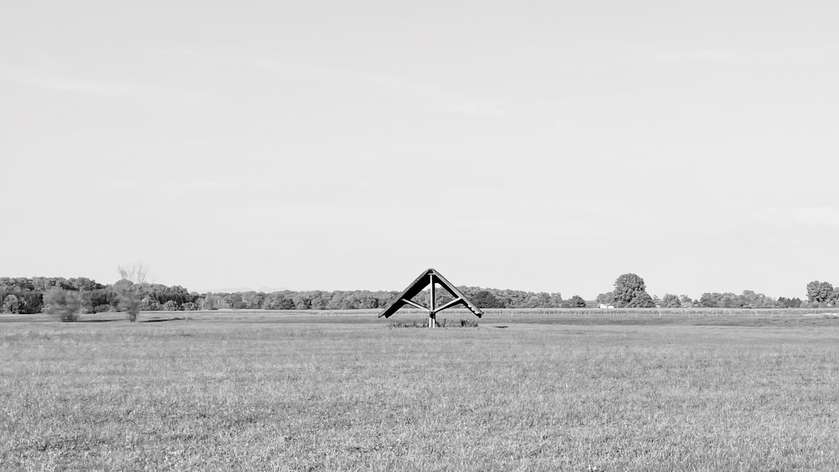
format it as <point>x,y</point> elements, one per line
<point>432,322</point>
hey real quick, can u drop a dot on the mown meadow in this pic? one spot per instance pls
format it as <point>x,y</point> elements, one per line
<point>339,391</point>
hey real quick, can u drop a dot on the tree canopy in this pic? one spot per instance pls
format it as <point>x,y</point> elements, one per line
<point>23,295</point>
<point>631,292</point>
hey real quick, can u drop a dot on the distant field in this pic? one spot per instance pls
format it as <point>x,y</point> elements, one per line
<point>526,390</point>
<point>758,316</point>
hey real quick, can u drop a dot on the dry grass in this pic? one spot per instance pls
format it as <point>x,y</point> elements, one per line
<point>228,391</point>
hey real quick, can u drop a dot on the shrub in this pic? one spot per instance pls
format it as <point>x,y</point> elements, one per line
<point>209,302</point>
<point>170,305</point>
<point>149,303</point>
<point>11,304</point>
<point>574,302</point>
<point>130,289</point>
<point>129,300</point>
<point>671,301</point>
<point>64,303</point>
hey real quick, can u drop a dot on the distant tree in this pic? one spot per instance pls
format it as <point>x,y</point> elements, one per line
<point>127,298</point>
<point>538,300</point>
<point>87,303</point>
<point>671,301</point>
<point>149,303</point>
<point>369,301</point>
<point>209,302</point>
<point>606,298</point>
<point>83,284</point>
<point>747,299</point>
<point>813,291</point>
<point>789,302</point>
<point>130,289</point>
<point>304,302</point>
<point>232,300</point>
<point>27,298</point>
<point>175,293</point>
<point>11,304</point>
<point>631,291</point>
<point>577,302</point>
<point>277,301</point>
<point>170,305</point>
<point>752,299</point>
<point>92,300</point>
<point>641,300</point>
<point>253,300</point>
<point>64,303</point>
<point>316,300</point>
<point>485,299</point>
<point>685,301</point>
<point>730,300</point>
<point>819,292</point>
<point>31,302</point>
<point>709,300</point>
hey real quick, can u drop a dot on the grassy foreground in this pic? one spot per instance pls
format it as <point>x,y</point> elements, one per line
<point>227,392</point>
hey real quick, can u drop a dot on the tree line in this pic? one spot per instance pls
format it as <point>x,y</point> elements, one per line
<point>630,292</point>
<point>23,295</point>
<point>132,294</point>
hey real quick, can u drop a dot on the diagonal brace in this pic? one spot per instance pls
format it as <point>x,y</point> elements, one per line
<point>449,305</point>
<point>414,304</point>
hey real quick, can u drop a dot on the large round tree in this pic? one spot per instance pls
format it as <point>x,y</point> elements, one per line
<point>631,291</point>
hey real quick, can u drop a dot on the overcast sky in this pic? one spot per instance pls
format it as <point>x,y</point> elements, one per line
<point>340,145</point>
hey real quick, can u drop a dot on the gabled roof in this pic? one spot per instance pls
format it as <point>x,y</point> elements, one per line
<point>424,280</point>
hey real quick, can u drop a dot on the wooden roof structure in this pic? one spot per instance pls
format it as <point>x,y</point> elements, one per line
<point>430,278</point>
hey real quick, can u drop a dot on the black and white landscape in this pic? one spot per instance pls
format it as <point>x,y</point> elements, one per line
<point>210,212</point>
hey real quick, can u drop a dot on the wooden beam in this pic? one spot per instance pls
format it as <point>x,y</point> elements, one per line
<point>414,304</point>
<point>449,305</point>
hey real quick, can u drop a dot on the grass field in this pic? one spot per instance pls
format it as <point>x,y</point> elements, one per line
<point>340,391</point>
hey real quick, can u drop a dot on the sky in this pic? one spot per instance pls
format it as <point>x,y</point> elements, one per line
<point>546,146</point>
